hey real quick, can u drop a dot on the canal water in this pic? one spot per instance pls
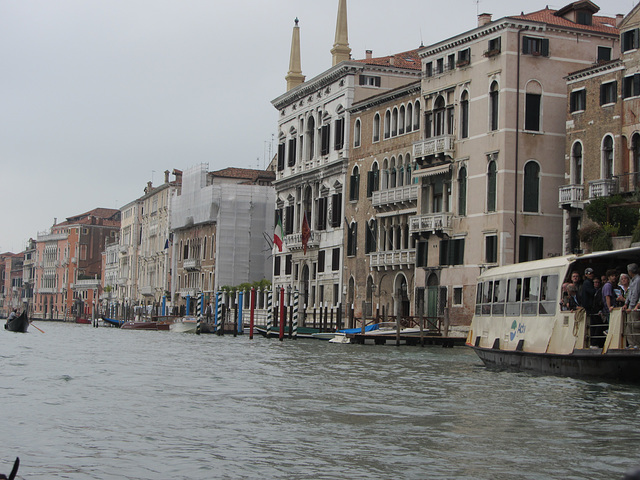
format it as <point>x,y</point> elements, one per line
<point>85,403</point>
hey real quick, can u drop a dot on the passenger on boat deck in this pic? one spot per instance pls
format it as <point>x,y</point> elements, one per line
<point>572,302</point>
<point>588,291</point>
<point>596,305</point>
<point>621,291</point>
<point>13,314</point>
<point>631,303</point>
<point>576,280</point>
<point>608,294</point>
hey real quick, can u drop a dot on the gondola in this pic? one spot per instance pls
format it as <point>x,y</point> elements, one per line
<point>18,324</point>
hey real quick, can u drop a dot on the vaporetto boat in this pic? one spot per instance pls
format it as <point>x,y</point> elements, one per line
<point>519,323</point>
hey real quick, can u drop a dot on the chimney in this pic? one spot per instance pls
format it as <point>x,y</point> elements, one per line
<point>619,18</point>
<point>392,61</point>
<point>368,54</point>
<point>166,176</point>
<point>483,19</point>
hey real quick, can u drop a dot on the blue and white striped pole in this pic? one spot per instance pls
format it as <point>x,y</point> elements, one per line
<point>240,299</point>
<point>218,312</point>
<point>269,312</point>
<point>294,333</point>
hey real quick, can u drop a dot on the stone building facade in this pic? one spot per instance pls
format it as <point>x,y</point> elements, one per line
<point>379,254</point>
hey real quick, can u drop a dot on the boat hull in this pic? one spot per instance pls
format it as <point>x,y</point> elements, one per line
<point>615,364</point>
<point>20,324</point>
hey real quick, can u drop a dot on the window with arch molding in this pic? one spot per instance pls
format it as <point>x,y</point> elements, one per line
<point>376,127</point>
<point>387,124</point>
<point>576,164</point>
<point>531,197</point>
<point>493,106</point>
<point>462,191</point>
<point>356,133</point>
<point>464,115</point>
<point>492,179</point>
<point>607,157</point>
<point>354,185</point>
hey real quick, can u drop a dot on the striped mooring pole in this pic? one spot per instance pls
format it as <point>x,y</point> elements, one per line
<point>199,305</point>
<point>294,333</point>
<point>218,312</point>
<point>269,312</point>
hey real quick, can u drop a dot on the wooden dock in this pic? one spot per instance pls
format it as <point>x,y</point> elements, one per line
<point>411,339</point>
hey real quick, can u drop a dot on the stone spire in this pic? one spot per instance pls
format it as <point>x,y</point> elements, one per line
<point>294,76</point>
<point>341,50</point>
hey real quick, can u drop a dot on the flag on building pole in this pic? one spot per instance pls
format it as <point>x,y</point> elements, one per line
<point>277,234</point>
<point>306,233</point>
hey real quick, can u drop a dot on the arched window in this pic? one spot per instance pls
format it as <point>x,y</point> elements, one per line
<point>373,179</point>
<point>392,173</point>
<point>394,122</point>
<point>387,124</point>
<point>401,120</point>
<point>356,134</point>
<point>352,239</point>
<point>462,191</point>
<point>492,179</point>
<point>607,157</point>
<point>576,164</point>
<point>384,175</point>
<point>354,190</point>
<point>400,176</point>
<point>376,128</point>
<point>417,112</point>
<point>408,173</point>
<point>371,237</point>
<point>409,118</point>
<point>438,117</point>
<point>531,197</point>
<point>493,107</point>
<point>311,138</point>
<point>464,115</point>
<point>533,106</point>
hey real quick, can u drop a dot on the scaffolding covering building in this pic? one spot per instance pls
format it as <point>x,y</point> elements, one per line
<point>221,226</point>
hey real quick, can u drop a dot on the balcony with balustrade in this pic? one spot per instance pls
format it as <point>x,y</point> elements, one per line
<point>443,145</point>
<point>393,259</point>
<point>191,264</point>
<point>604,187</point>
<point>148,290</point>
<point>431,223</point>
<point>294,241</point>
<point>571,196</point>
<point>405,196</point>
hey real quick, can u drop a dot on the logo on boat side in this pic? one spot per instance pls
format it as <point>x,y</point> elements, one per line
<point>516,329</point>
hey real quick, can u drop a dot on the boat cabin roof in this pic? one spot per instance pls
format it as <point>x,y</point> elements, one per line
<point>599,261</point>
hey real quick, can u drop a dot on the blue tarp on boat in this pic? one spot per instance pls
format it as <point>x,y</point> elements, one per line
<point>368,328</point>
<point>111,321</point>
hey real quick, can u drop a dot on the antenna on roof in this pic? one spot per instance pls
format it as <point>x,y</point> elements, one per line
<point>477,7</point>
<point>421,41</point>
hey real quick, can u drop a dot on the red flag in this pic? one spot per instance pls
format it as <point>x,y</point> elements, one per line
<point>306,233</point>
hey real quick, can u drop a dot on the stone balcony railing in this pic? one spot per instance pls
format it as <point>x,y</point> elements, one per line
<point>430,223</point>
<point>571,196</point>
<point>393,259</point>
<point>393,196</point>
<point>602,188</point>
<point>444,144</point>
<point>51,237</point>
<point>48,290</point>
<point>89,283</point>
<point>294,241</point>
<point>147,290</point>
<point>191,264</point>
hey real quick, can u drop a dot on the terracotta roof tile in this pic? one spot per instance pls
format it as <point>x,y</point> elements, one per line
<point>409,60</point>
<point>244,173</point>
<point>600,24</point>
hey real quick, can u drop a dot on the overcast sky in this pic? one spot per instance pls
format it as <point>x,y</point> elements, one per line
<point>99,97</point>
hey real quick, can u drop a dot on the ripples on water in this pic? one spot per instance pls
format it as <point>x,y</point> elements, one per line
<point>85,403</point>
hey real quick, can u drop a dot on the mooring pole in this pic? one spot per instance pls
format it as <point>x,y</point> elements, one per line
<point>253,311</point>
<point>282,311</point>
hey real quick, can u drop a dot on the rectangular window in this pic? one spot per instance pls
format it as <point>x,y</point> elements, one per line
<point>578,100</point>
<point>276,266</point>
<point>452,251</point>
<point>631,86</point>
<point>548,295</point>
<point>339,141</point>
<point>532,112</point>
<point>451,62</point>
<point>608,93</point>
<point>464,57</point>
<point>321,217</point>
<point>336,209</point>
<point>321,255</point>
<point>494,47</point>
<point>287,265</point>
<point>457,296</point>
<point>369,80</point>
<point>335,259</point>
<point>428,69</point>
<point>422,249</point>
<point>281,148</point>
<point>630,40</point>
<point>325,133</point>
<point>535,46</point>
<point>288,219</point>
<point>291,158</point>
<point>491,249</point>
<point>604,54</point>
<point>440,65</point>
<point>530,248</point>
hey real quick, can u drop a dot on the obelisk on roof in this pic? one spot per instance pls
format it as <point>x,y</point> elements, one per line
<point>341,50</point>
<point>294,76</point>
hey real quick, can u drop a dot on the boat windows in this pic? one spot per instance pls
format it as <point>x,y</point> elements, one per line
<point>487,290</point>
<point>479,299</point>
<point>548,295</point>
<point>499,296</point>
<point>530,293</point>
<point>514,291</point>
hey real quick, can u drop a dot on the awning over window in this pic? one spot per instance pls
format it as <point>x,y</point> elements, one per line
<point>431,171</point>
